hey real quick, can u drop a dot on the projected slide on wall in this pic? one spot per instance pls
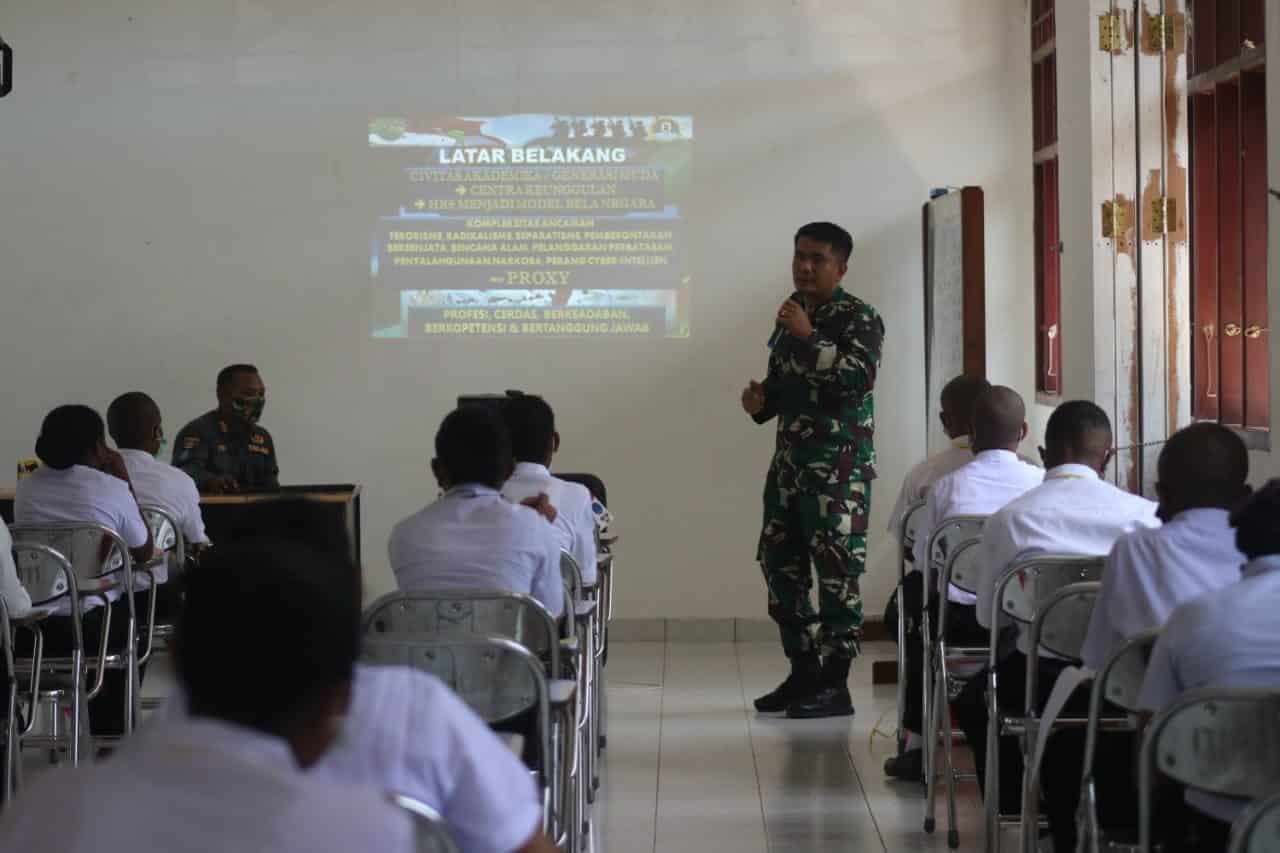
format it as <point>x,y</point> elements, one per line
<point>536,225</point>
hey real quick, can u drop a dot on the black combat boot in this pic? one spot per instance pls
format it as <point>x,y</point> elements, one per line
<point>831,699</point>
<point>803,680</point>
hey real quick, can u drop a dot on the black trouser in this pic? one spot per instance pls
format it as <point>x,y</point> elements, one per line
<point>962,630</point>
<point>1011,691</point>
<point>106,710</point>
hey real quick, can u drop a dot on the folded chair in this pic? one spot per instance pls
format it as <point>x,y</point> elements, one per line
<point>431,834</point>
<point>1019,594</point>
<point>1224,741</point>
<point>907,536</point>
<point>63,679</point>
<point>1119,682</point>
<point>962,569</point>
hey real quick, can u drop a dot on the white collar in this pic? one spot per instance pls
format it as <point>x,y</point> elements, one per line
<point>470,490</point>
<point>961,443</point>
<point>996,455</point>
<point>1071,471</point>
<point>1261,565</point>
<point>206,735</point>
<point>1203,516</point>
<point>136,455</point>
<point>531,470</point>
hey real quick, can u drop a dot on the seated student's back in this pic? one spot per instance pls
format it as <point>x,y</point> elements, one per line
<point>472,538</point>
<point>265,704</point>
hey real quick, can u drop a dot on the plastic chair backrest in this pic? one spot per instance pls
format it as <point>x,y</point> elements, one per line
<point>1225,741</point>
<point>78,545</point>
<point>1257,830</point>
<point>1062,622</point>
<point>166,534</point>
<point>1035,579</point>
<point>43,571</point>
<point>964,566</point>
<point>948,535</point>
<point>1122,676</point>
<point>439,615</point>
<point>431,834</point>
<point>911,523</point>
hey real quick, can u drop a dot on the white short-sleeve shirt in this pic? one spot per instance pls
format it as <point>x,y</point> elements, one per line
<point>575,522</point>
<point>1226,638</point>
<point>16,599</point>
<point>1151,571</point>
<point>407,732</point>
<point>473,538</point>
<point>207,787</point>
<point>85,495</point>
<point>157,483</point>
<point>915,486</point>
<point>1074,511</point>
<point>986,484</point>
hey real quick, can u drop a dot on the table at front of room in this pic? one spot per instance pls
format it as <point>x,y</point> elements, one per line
<point>326,516</point>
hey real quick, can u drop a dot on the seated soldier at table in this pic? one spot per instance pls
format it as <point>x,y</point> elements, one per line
<point>1229,637</point>
<point>472,538</point>
<point>994,476</point>
<point>134,422</point>
<point>534,441</point>
<point>1202,474</point>
<point>265,704</point>
<point>225,450</point>
<point>83,481</point>
<point>1074,512</point>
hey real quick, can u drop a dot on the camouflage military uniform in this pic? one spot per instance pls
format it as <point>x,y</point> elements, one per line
<point>207,448</point>
<point>817,496</point>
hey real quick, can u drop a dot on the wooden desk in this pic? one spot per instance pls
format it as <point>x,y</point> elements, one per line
<point>327,516</point>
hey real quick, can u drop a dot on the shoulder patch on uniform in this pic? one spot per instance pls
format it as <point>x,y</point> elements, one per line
<point>258,438</point>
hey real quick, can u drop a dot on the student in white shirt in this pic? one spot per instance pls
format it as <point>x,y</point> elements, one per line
<point>407,732</point>
<point>265,704</point>
<point>472,538</point>
<point>17,600</point>
<point>82,480</point>
<point>1226,638</point>
<point>134,421</point>
<point>1202,474</point>
<point>1074,512</point>
<point>956,415</point>
<point>994,476</point>
<point>534,441</point>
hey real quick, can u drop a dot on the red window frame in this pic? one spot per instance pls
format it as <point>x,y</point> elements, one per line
<point>1048,256</point>
<point>1230,349</point>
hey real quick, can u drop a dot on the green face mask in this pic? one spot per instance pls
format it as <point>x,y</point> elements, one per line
<point>249,408</point>
<point>163,450</point>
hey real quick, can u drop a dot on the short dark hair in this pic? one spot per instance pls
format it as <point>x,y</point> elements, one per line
<point>473,446</point>
<point>959,395</point>
<point>129,416</point>
<point>1257,522</point>
<point>1205,465</point>
<point>68,434</point>
<point>1077,424</point>
<point>266,627</point>
<point>228,373</point>
<point>840,241</point>
<point>531,425</point>
<point>998,417</point>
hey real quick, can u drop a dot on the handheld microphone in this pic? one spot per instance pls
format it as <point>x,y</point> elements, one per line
<point>780,331</point>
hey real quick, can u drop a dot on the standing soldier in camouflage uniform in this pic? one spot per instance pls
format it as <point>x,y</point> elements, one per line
<point>817,496</point>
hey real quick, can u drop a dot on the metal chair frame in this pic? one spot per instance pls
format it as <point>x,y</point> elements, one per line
<point>430,830</point>
<point>25,536</point>
<point>938,712</point>
<point>1073,568</point>
<point>160,522</point>
<point>1257,830</point>
<point>1119,682</point>
<point>906,539</point>
<point>1067,647</point>
<point>1244,706</point>
<point>583,623</point>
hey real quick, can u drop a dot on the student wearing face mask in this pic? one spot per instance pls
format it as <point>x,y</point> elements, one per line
<point>225,450</point>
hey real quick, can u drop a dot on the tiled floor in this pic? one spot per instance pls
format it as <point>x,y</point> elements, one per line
<point>692,767</point>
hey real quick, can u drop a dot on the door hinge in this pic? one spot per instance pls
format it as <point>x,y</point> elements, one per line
<point>1164,215</point>
<point>1115,219</point>
<point>1159,33</point>
<point>1111,33</point>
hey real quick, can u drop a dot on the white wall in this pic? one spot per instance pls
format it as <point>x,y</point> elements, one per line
<point>182,184</point>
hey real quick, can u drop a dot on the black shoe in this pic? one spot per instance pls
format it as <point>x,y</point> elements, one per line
<point>802,681</point>
<point>825,702</point>
<point>909,766</point>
